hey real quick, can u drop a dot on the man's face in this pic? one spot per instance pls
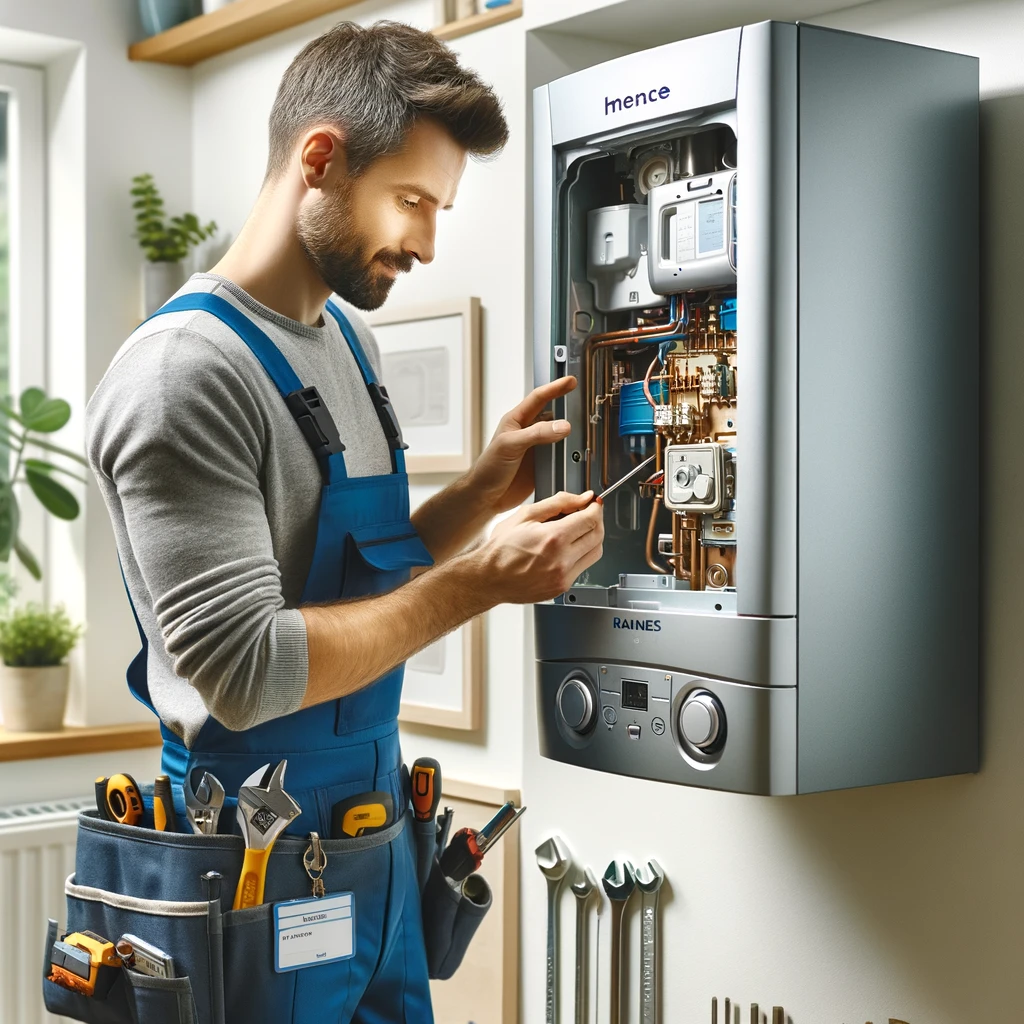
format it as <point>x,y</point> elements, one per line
<point>361,232</point>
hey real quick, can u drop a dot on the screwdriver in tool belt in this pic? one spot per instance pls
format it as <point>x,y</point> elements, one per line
<point>164,818</point>
<point>425,780</point>
<point>426,788</point>
<point>465,853</point>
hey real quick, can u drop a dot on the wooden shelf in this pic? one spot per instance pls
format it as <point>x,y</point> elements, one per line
<point>245,21</point>
<point>24,746</point>
<point>463,27</point>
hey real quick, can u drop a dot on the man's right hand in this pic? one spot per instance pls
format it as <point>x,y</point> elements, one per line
<point>535,556</point>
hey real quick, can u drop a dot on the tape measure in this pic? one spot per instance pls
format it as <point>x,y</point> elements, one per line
<point>122,800</point>
<point>80,962</point>
<point>362,814</point>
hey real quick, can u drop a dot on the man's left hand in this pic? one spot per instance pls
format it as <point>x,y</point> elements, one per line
<point>503,475</point>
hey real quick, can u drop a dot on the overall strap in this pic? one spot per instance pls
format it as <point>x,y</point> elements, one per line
<point>305,404</point>
<point>138,681</point>
<point>378,393</point>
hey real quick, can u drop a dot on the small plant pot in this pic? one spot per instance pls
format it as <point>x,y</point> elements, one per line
<point>159,282</point>
<point>33,699</point>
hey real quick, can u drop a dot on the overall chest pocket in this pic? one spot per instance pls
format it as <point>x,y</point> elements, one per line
<point>379,557</point>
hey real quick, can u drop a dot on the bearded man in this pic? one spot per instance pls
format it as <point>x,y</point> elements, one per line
<point>253,469</point>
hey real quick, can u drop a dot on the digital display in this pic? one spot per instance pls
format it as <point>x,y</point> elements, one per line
<point>634,695</point>
<point>710,226</point>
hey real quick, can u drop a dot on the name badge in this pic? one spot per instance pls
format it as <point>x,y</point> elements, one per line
<point>314,931</point>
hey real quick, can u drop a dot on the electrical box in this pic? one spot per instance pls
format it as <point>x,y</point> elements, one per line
<point>757,251</point>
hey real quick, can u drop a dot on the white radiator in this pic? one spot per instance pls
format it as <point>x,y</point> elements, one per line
<point>37,853</point>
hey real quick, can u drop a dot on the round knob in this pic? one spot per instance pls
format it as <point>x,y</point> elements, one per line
<point>700,720</point>
<point>576,704</point>
<point>686,474</point>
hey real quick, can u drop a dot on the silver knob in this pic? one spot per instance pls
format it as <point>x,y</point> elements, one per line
<point>575,704</point>
<point>700,720</point>
<point>686,474</point>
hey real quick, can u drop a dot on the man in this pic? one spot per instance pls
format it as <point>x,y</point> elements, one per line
<point>263,526</point>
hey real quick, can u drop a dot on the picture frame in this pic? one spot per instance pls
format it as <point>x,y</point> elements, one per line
<point>444,683</point>
<point>430,362</point>
<point>485,988</point>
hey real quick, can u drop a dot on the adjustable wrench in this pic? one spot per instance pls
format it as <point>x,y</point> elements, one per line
<point>265,810</point>
<point>650,886</point>
<point>583,888</point>
<point>619,882</point>
<point>554,861</point>
<point>203,807</point>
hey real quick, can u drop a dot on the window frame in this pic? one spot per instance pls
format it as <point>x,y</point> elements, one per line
<point>26,200</point>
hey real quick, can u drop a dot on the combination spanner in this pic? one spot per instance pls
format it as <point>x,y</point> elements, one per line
<point>583,888</point>
<point>619,882</point>
<point>554,861</point>
<point>649,885</point>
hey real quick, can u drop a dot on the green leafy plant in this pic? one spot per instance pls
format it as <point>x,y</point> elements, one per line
<point>37,414</point>
<point>33,636</point>
<point>163,240</point>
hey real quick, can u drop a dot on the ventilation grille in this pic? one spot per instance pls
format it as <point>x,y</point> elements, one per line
<point>16,816</point>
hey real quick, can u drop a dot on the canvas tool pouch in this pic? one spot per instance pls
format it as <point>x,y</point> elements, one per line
<point>135,880</point>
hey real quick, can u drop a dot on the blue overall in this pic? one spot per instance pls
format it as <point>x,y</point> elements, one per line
<point>365,544</point>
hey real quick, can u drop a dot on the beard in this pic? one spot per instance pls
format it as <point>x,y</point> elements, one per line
<point>328,237</point>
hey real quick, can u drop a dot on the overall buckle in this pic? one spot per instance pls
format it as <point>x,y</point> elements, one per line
<point>314,421</point>
<point>387,417</point>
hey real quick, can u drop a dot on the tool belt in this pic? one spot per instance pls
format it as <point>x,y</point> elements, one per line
<point>130,879</point>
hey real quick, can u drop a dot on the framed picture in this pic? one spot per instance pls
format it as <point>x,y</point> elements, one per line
<point>485,989</point>
<point>430,362</point>
<point>444,682</point>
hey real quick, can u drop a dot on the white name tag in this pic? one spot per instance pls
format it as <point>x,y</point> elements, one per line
<point>314,931</point>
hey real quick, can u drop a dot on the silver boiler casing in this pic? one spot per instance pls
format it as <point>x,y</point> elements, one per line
<point>848,655</point>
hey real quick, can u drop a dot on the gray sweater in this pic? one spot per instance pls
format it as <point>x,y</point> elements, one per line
<point>213,494</point>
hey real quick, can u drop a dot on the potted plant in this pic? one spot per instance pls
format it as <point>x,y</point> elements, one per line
<point>34,645</point>
<point>166,243</point>
<point>24,430</point>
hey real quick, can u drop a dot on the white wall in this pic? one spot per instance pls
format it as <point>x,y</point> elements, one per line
<point>902,901</point>
<point>107,119</point>
<point>232,98</point>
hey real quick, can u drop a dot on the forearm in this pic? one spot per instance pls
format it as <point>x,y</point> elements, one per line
<point>353,643</point>
<point>451,520</point>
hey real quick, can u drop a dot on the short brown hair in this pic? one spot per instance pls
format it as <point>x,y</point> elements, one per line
<point>374,83</point>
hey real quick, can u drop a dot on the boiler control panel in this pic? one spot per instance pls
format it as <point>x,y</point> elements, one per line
<point>673,726</point>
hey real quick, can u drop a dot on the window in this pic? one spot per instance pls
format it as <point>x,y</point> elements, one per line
<point>22,264</point>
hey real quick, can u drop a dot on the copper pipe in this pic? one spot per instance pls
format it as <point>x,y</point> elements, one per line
<point>696,576</point>
<point>677,547</point>
<point>606,425</point>
<point>590,392</point>
<point>632,336</point>
<point>641,332</point>
<point>652,538</point>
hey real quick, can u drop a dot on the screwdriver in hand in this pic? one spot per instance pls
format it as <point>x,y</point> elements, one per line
<point>599,498</point>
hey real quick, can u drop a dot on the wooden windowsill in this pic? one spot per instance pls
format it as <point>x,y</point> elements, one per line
<point>24,746</point>
<point>245,21</point>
